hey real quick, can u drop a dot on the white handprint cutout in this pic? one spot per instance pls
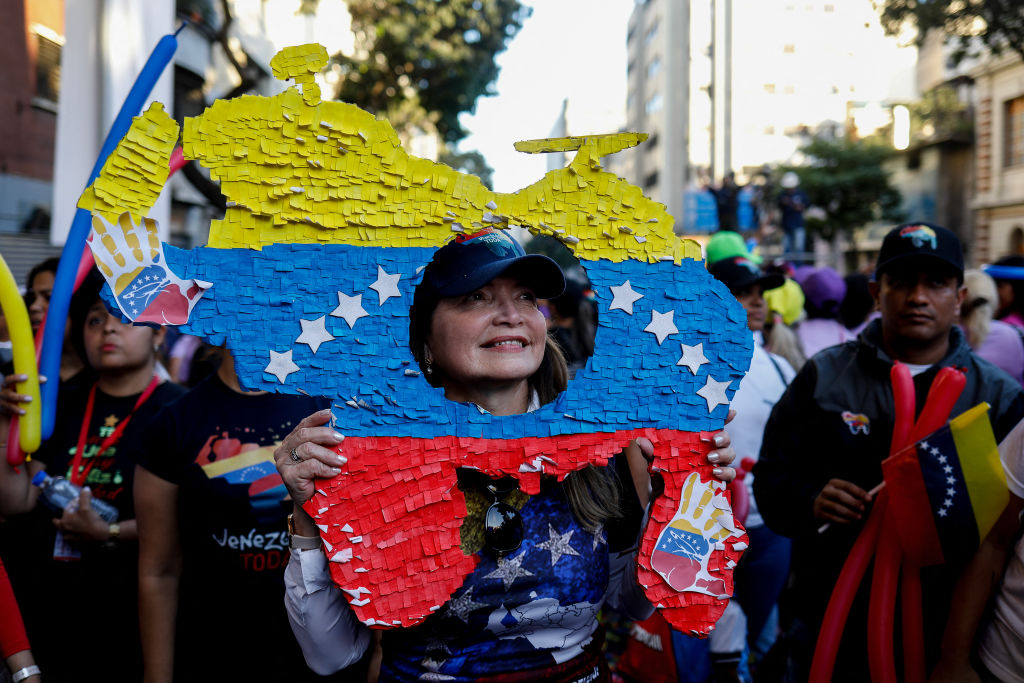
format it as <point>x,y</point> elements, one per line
<point>131,258</point>
<point>704,518</point>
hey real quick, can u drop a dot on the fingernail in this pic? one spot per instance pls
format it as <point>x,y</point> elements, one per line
<point>335,470</point>
<point>717,471</point>
<point>337,437</point>
<point>719,439</point>
<point>713,457</point>
<point>20,411</point>
<point>26,398</point>
<point>341,460</point>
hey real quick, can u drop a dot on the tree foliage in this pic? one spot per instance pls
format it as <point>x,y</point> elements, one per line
<point>471,162</point>
<point>847,181</point>
<point>418,61</point>
<point>998,24</point>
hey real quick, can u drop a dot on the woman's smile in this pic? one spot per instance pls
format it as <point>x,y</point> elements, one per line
<point>507,344</point>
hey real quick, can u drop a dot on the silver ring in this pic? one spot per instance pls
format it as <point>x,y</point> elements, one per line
<point>295,456</point>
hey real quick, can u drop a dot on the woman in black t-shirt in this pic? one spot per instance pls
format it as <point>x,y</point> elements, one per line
<point>74,557</point>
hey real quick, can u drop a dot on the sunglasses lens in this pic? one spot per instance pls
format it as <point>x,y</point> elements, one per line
<point>503,528</point>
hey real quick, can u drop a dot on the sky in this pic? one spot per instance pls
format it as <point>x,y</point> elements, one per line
<point>573,49</point>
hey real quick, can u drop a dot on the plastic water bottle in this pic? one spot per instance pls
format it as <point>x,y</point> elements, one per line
<point>58,493</point>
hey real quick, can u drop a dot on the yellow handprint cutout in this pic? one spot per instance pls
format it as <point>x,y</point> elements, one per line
<point>131,258</point>
<point>703,519</point>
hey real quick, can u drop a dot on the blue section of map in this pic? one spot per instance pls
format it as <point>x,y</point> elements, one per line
<point>631,382</point>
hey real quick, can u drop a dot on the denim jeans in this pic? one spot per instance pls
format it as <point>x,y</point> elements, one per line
<point>794,243</point>
<point>760,577</point>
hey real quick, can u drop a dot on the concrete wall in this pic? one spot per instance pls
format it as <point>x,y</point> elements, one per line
<point>28,121</point>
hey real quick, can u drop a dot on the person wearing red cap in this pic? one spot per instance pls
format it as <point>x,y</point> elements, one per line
<point>828,434</point>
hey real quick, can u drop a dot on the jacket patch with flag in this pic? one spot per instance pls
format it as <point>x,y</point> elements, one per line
<point>857,422</point>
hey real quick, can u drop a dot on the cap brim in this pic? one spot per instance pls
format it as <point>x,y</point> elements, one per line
<point>771,281</point>
<point>536,271</point>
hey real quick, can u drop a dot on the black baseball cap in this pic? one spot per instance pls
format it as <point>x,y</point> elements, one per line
<point>472,260</point>
<point>924,241</point>
<point>739,272</point>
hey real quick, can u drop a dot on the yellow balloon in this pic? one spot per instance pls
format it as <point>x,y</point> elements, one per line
<point>24,357</point>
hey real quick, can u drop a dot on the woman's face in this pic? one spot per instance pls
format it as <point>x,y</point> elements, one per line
<point>42,287</point>
<point>493,336</point>
<point>110,345</point>
<point>752,300</point>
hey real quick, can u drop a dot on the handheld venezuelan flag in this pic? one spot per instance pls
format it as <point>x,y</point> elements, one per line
<point>948,489</point>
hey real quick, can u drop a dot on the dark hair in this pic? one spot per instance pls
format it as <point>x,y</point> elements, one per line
<point>857,303</point>
<point>593,492</point>
<point>1017,286</point>
<point>81,302</point>
<point>47,266</point>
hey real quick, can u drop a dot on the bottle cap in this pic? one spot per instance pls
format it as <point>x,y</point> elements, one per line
<point>39,478</point>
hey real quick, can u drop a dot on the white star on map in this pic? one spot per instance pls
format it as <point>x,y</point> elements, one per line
<point>509,570</point>
<point>951,492</point>
<point>950,480</point>
<point>942,512</point>
<point>661,325</point>
<point>713,392</point>
<point>463,605</point>
<point>947,503</point>
<point>314,333</point>
<point>386,285</point>
<point>623,297</point>
<point>558,544</point>
<point>924,445</point>
<point>942,458</point>
<point>693,357</point>
<point>350,308</point>
<point>281,365</point>
<point>947,469</point>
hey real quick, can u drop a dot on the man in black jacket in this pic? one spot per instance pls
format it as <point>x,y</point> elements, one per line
<point>830,431</point>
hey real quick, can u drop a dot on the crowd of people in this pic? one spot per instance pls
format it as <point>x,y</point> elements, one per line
<point>211,567</point>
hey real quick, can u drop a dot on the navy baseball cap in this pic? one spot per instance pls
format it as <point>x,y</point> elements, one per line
<point>470,261</point>
<point>739,272</point>
<point>920,241</point>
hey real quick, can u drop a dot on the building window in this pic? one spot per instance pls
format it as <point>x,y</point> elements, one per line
<point>789,49</point>
<point>652,32</point>
<point>769,130</point>
<point>653,68</point>
<point>48,45</point>
<point>653,104</point>
<point>651,180</point>
<point>829,9</point>
<point>1015,132</point>
<point>769,88</point>
<point>788,90</point>
<point>1017,240</point>
<point>652,141</point>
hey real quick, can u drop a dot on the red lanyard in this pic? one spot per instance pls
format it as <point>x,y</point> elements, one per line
<point>78,473</point>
